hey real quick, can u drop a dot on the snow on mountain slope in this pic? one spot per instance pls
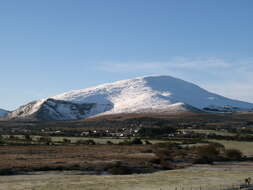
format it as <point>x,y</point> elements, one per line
<point>3,113</point>
<point>144,94</point>
<point>51,109</point>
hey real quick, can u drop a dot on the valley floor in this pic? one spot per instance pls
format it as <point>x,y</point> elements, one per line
<point>203,177</point>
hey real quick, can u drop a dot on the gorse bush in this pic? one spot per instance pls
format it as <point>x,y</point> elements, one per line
<point>233,154</point>
<point>86,142</point>
<point>216,152</point>
<point>168,153</point>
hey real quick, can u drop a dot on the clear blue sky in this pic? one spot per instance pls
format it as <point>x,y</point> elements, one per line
<point>52,46</point>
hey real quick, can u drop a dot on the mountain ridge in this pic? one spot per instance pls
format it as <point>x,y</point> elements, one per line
<point>163,94</point>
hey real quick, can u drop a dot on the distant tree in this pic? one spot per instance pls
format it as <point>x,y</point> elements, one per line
<point>136,141</point>
<point>155,131</point>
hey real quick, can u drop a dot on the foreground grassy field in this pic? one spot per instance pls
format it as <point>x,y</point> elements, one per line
<point>207,177</point>
<point>197,177</point>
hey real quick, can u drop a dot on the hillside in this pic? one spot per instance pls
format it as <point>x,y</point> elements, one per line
<point>153,94</point>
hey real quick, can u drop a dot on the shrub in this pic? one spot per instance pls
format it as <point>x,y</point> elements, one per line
<point>66,141</point>
<point>28,137</point>
<point>136,141</point>
<point>164,153</point>
<point>209,151</point>
<point>109,142</point>
<point>119,169</point>
<point>207,154</point>
<point>219,147</point>
<point>233,154</point>
<point>46,140</point>
<point>86,142</point>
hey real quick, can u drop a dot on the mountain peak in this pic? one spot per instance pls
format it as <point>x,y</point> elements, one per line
<point>159,94</point>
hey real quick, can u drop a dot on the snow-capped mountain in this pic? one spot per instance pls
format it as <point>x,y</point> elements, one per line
<point>3,113</point>
<point>158,94</point>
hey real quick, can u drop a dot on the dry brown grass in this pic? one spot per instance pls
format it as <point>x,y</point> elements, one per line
<point>69,157</point>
